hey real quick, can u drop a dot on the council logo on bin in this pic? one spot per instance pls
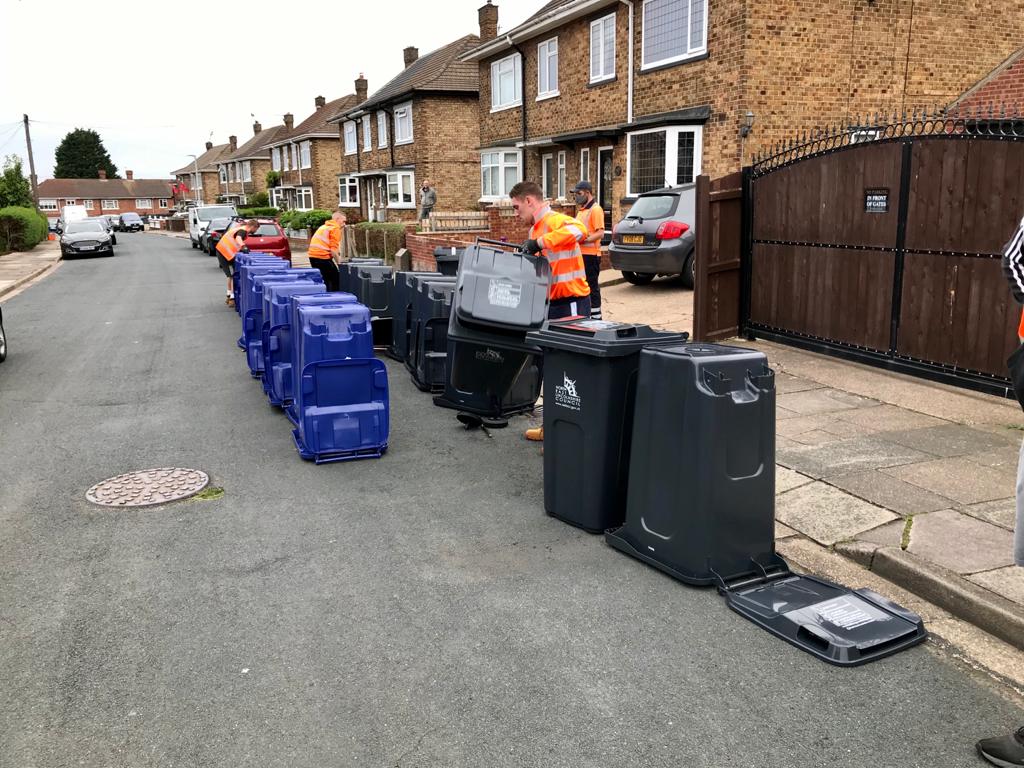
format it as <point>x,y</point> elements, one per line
<point>489,355</point>
<point>566,394</point>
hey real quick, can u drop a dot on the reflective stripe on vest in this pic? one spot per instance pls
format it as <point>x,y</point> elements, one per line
<point>320,243</point>
<point>568,277</point>
<point>1020,327</point>
<point>227,246</point>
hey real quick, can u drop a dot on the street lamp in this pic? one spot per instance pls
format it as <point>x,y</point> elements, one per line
<point>195,180</point>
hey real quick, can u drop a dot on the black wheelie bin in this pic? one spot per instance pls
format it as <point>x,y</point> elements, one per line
<point>428,341</point>
<point>402,297</point>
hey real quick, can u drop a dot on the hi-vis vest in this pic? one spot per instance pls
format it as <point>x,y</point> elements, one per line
<point>320,243</point>
<point>559,237</point>
<point>227,246</point>
<point>593,218</point>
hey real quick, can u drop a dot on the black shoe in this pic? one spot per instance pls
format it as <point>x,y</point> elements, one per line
<point>1004,751</point>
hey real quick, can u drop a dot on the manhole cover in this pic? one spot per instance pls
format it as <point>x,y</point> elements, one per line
<point>150,486</point>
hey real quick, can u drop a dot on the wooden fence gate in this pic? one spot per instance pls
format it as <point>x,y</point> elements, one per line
<point>881,243</point>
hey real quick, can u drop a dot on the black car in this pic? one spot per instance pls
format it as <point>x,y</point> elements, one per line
<point>87,237</point>
<point>130,222</point>
<point>657,237</point>
<point>212,234</point>
<point>3,338</point>
<point>108,224</point>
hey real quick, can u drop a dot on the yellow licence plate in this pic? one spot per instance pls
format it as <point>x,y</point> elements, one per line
<point>633,239</point>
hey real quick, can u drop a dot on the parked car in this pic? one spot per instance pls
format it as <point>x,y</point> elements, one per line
<point>130,222</point>
<point>212,234</point>
<point>85,238</point>
<point>3,338</point>
<point>108,224</point>
<point>55,223</point>
<point>270,238</point>
<point>657,237</point>
<point>71,213</point>
<point>201,215</point>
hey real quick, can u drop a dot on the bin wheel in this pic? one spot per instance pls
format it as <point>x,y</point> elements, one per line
<point>638,278</point>
<point>471,420</point>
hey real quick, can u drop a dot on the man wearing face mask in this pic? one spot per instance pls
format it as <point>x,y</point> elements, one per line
<point>592,215</point>
<point>428,199</point>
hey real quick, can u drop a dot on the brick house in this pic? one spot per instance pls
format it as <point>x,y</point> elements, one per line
<point>103,196</point>
<point>202,176</point>
<point>243,170</point>
<point>308,155</point>
<point>634,95</point>
<point>423,124</point>
<point>1001,89</point>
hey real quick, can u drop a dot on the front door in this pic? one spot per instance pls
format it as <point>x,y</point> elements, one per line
<point>604,184</point>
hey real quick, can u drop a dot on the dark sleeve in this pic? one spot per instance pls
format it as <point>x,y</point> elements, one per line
<point>1013,263</point>
<point>242,234</point>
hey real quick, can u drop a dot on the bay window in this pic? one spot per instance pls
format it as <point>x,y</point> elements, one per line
<point>348,191</point>
<point>401,186</point>
<point>499,172</point>
<point>662,157</point>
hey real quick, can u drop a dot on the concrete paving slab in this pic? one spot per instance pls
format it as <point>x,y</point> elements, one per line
<point>846,456</point>
<point>948,440</point>
<point>783,531</point>
<point>956,479</point>
<point>1008,582</point>
<point>827,514</point>
<point>1001,512</point>
<point>817,437</point>
<point>998,458</point>
<point>787,479</point>
<point>888,535</point>
<point>784,413</point>
<point>822,401</point>
<point>800,424</point>
<point>786,383</point>
<point>960,543</point>
<point>891,493</point>
<point>885,417</point>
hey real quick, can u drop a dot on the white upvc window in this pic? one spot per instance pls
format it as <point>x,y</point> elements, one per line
<point>246,170</point>
<point>602,48</point>
<point>585,164</point>
<point>197,181</point>
<point>547,175</point>
<point>367,138</point>
<point>506,85</point>
<point>303,198</point>
<point>88,204</point>
<point>662,157</point>
<point>561,175</point>
<point>47,205</point>
<point>143,202</point>
<point>547,69</point>
<point>295,155</point>
<point>238,171</point>
<point>348,191</point>
<point>305,154</point>
<point>223,171</point>
<point>673,30</point>
<point>110,205</point>
<point>72,201</point>
<point>382,129</point>
<point>350,138</point>
<point>275,158</point>
<point>403,123</point>
<point>286,158</point>
<point>499,172</point>
<point>401,187</point>
<point>163,202</point>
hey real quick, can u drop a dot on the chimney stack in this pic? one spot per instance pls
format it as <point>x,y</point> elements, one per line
<point>129,175</point>
<point>103,174</point>
<point>319,101</point>
<point>209,146</point>
<point>289,119</point>
<point>256,127</point>
<point>233,141</point>
<point>361,86</point>
<point>410,55</point>
<point>488,15</point>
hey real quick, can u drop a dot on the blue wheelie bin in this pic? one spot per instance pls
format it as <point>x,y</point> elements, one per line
<point>252,322</point>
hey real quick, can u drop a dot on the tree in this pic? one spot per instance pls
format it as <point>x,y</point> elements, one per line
<point>14,187</point>
<point>81,155</point>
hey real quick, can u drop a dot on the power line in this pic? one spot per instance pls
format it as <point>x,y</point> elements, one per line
<point>13,132</point>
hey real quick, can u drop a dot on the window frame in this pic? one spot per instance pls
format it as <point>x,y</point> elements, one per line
<point>545,177</point>
<point>560,175</point>
<point>88,203</point>
<point>365,124</point>
<point>352,147</point>
<point>382,129</point>
<point>348,183</point>
<point>517,84</point>
<point>115,207</point>
<point>164,202</point>
<point>222,173</point>
<point>549,92</point>
<point>500,166</point>
<point>601,22</point>
<point>143,202</point>
<point>671,154</point>
<point>689,53</point>
<point>407,107</point>
<point>395,177</point>
<point>585,164</point>
<point>301,192</point>
<point>48,204</point>
<point>306,154</point>
<point>246,170</point>
<point>71,201</point>
<point>275,159</point>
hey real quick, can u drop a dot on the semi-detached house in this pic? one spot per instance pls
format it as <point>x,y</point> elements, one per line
<point>634,95</point>
<point>308,155</point>
<point>422,125</point>
<point>201,176</point>
<point>242,172</point>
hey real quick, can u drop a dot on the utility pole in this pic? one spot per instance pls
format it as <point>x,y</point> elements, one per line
<point>31,163</point>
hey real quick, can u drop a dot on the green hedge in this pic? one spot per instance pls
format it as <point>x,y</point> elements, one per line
<point>304,219</point>
<point>369,237</point>
<point>262,212</point>
<point>21,228</point>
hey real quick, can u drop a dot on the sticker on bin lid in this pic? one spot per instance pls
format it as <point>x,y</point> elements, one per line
<point>592,325</point>
<point>501,292</point>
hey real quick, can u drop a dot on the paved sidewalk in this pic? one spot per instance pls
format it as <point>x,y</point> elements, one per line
<point>911,479</point>
<point>19,267</point>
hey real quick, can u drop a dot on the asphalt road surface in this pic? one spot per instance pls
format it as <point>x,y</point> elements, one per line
<point>418,610</point>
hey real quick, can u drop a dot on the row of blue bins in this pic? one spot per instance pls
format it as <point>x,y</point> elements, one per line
<point>313,353</point>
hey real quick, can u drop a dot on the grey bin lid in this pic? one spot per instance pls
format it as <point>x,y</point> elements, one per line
<point>502,289</point>
<point>601,338</point>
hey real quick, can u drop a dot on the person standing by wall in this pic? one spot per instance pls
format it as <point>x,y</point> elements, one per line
<point>592,215</point>
<point>325,250</point>
<point>428,199</point>
<point>233,242</point>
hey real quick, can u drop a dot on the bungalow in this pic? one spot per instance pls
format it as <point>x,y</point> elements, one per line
<point>103,196</point>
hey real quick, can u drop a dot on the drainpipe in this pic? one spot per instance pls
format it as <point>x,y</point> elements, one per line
<point>629,86</point>
<point>522,93</point>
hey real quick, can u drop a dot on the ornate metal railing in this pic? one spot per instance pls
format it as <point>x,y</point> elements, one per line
<point>991,122</point>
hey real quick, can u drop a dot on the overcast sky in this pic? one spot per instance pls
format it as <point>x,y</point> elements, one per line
<point>156,80</point>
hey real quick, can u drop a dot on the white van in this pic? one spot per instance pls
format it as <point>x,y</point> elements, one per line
<point>71,213</point>
<point>200,216</point>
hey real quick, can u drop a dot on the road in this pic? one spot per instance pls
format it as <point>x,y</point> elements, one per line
<point>418,610</point>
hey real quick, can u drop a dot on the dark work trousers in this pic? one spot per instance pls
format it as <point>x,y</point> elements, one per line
<point>592,264</point>
<point>572,306</point>
<point>329,270</point>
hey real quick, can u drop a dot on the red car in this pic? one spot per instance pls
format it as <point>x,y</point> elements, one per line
<point>269,238</point>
